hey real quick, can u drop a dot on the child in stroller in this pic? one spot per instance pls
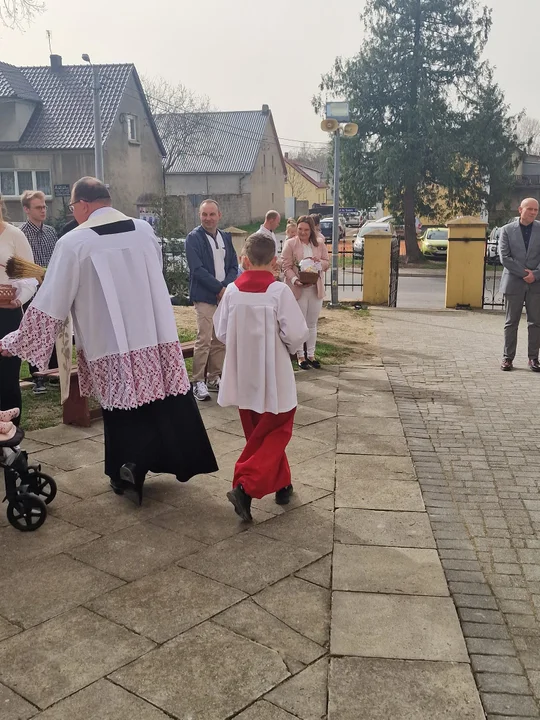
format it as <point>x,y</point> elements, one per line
<point>28,490</point>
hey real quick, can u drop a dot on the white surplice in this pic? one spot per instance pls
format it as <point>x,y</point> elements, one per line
<point>260,330</point>
<point>108,274</point>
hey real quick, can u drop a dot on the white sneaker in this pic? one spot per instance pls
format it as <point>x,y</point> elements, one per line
<point>201,391</point>
<point>213,385</point>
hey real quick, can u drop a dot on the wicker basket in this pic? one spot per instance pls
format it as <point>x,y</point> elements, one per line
<point>308,278</point>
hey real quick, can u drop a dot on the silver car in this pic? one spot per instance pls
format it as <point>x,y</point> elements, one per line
<point>358,245</point>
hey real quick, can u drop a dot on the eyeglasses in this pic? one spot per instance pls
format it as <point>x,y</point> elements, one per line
<point>72,205</point>
<point>100,197</point>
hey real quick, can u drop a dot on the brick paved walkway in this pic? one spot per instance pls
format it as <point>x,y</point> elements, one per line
<point>474,437</point>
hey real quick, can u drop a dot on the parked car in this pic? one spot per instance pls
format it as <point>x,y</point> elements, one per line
<point>353,220</point>
<point>492,245</point>
<point>327,229</point>
<point>434,242</point>
<point>358,245</point>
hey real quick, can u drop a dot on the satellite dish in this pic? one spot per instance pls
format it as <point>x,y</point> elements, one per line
<point>329,125</point>
<point>350,129</point>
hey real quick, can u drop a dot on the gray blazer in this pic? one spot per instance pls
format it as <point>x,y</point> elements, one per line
<point>516,260</point>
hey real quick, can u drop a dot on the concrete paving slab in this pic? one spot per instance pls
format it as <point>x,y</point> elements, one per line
<point>319,572</point>
<point>302,605</point>
<point>167,489</point>
<point>71,456</point>
<point>47,663</point>
<point>63,434</point>
<point>54,536</point>
<point>411,571</point>
<point>324,431</point>
<point>328,403</point>
<point>234,427</point>
<point>7,629</point>
<point>166,603</point>
<point>303,494</point>
<point>306,527</point>
<point>305,694</point>
<point>363,374</point>
<point>367,467</point>
<point>374,689</point>
<point>375,527</point>
<point>301,449</point>
<point>325,503</point>
<point>319,472</point>
<point>263,710</point>
<point>61,500</point>
<point>396,626</point>
<point>108,513</point>
<point>357,444</point>
<point>13,706</point>
<point>378,493</point>
<point>249,561</point>
<point>308,415</point>
<point>181,676</point>
<point>367,380</point>
<point>136,551</point>
<point>208,519</point>
<point>381,404</point>
<point>33,446</point>
<point>103,701</point>
<point>254,622</point>
<point>224,442</point>
<point>63,583</point>
<point>84,482</point>
<point>370,426</point>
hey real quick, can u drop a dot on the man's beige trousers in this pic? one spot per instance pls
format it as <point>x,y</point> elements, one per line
<point>209,353</point>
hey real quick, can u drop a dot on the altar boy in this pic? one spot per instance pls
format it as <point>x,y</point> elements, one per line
<point>261,324</point>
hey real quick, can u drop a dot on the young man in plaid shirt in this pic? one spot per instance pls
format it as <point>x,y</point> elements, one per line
<point>42,239</point>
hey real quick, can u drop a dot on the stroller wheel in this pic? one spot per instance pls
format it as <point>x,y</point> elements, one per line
<point>43,486</point>
<point>27,512</point>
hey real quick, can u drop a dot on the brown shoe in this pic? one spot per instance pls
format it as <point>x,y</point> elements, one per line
<point>507,364</point>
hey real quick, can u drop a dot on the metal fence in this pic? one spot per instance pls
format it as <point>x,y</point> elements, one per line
<point>350,271</point>
<point>492,298</point>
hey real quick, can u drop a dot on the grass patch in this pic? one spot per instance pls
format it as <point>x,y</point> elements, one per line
<point>329,354</point>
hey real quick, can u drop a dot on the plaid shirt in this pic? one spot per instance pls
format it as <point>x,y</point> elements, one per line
<point>42,241</point>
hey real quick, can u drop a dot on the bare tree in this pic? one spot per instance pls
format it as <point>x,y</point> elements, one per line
<point>16,14</point>
<point>179,116</point>
<point>298,184</point>
<point>528,132</point>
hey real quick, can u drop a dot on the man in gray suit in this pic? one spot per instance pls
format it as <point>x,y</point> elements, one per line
<point>519,250</point>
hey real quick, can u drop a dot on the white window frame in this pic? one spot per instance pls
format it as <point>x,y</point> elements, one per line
<point>134,140</point>
<point>16,172</point>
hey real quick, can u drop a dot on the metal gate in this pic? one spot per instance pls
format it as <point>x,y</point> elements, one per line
<point>350,272</point>
<point>492,298</point>
<point>394,272</point>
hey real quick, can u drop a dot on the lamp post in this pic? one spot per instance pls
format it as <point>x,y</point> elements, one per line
<point>336,114</point>
<point>98,142</point>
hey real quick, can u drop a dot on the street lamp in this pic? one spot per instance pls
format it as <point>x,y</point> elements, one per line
<point>336,114</point>
<point>98,143</point>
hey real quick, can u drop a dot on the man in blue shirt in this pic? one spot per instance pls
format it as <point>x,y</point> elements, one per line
<point>212,266</point>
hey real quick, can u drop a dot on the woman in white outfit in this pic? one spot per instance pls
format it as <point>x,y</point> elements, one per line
<point>306,244</point>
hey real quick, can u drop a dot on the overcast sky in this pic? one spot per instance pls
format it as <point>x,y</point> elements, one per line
<point>241,56</point>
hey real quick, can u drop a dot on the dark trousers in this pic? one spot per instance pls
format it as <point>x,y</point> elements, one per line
<point>53,363</point>
<point>10,367</point>
<point>514,307</point>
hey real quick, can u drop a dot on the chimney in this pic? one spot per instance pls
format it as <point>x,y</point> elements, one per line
<point>56,63</point>
<point>265,110</point>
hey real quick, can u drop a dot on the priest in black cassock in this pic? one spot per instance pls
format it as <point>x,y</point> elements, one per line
<point>107,272</point>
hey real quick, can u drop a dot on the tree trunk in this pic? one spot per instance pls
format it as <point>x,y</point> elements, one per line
<point>411,243</point>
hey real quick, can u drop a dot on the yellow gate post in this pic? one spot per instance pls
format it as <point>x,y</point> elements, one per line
<point>377,253</point>
<point>465,262</point>
<point>238,238</point>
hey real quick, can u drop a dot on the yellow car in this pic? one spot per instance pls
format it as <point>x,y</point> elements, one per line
<point>434,242</point>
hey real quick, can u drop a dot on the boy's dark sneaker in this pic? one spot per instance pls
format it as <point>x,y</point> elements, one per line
<point>284,495</point>
<point>534,364</point>
<point>241,502</point>
<point>507,364</point>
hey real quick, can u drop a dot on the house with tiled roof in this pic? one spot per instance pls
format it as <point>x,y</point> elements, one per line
<point>47,134</point>
<point>304,183</point>
<point>233,157</point>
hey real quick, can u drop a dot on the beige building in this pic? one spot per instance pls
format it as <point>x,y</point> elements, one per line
<point>47,134</point>
<point>233,157</point>
<point>304,183</point>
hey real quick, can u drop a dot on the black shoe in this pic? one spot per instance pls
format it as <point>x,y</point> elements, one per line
<point>117,485</point>
<point>284,495</point>
<point>507,364</point>
<point>241,502</point>
<point>132,479</point>
<point>39,386</point>
<point>315,364</point>
<point>304,365</point>
<point>534,364</point>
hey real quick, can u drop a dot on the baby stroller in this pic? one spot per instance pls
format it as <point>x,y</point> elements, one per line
<point>28,490</point>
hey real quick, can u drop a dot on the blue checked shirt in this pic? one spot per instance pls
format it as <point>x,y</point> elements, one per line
<point>42,241</point>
